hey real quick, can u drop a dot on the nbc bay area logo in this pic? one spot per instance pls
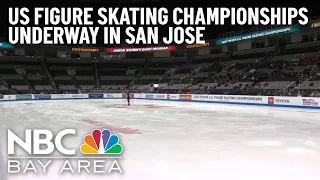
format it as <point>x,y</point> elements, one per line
<point>101,142</point>
<point>100,152</point>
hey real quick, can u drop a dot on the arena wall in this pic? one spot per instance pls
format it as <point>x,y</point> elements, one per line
<point>279,101</point>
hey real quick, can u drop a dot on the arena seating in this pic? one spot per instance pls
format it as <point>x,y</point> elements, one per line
<point>291,70</point>
<point>256,72</point>
<point>23,74</point>
<point>117,76</point>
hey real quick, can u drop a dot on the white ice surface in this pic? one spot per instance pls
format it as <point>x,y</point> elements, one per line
<point>183,140</point>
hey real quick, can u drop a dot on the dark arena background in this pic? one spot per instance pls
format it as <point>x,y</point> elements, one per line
<point>244,105</point>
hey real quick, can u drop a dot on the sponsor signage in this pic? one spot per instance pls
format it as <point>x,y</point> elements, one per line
<point>10,97</point>
<point>160,96</point>
<point>149,96</point>
<point>270,100</point>
<point>125,95</point>
<point>315,25</point>
<point>309,102</point>
<point>95,96</point>
<point>23,96</point>
<point>110,96</point>
<point>219,98</point>
<point>85,49</point>
<point>281,101</point>
<point>246,98</point>
<point>42,96</point>
<point>238,98</point>
<point>269,32</point>
<point>173,96</point>
<point>202,97</point>
<point>77,96</point>
<point>142,49</point>
<point>61,96</point>
<point>191,46</point>
<point>185,96</point>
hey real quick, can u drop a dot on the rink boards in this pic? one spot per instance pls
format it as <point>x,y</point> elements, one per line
<point>298,102</point>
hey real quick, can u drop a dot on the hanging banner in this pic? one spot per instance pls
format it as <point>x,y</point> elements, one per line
<point>6,45</point>
<point>315,25</point>
<point>85,49</point>
<point>144,49</point>
<point>192,46</point>
<point>269,32</point>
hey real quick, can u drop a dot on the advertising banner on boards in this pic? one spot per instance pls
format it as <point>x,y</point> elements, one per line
<point>186,97</point>
<point>95,96</point>
<point>125,95</point>
<point>23,96</point>
<point>42,96</point>
<point>149,96</point>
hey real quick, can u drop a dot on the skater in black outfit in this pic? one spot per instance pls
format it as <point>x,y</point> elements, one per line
<point>128,98</point>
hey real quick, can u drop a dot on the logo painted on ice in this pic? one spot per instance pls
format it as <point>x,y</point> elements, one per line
<point>101,142</point>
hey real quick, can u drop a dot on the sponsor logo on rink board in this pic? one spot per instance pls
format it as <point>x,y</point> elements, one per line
<point>23,96</point>
<point>94,96</point>
<point>160,96</point>
<point>173,96</point>
<point>42,96</point>
<point>202,97</point>
<point>238,98</point>
<point>185,96</point>
<point>110,96</point>
<point>270,100</point>
<point>149,96</point>
<point>125,95</point>
<point>79,96</point>
<point>309,102</point>
<point>281,101</point>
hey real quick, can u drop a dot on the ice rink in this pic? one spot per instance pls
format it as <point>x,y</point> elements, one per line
<point>164,140</point>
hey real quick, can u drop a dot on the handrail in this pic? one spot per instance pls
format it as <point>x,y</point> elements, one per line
<point>302,78</point>
<point>280,92</point>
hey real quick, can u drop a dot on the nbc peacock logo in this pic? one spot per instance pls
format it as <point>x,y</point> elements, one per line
<point>101,142</point>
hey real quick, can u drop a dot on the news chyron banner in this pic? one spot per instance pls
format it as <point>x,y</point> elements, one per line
<point>137,27</point>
